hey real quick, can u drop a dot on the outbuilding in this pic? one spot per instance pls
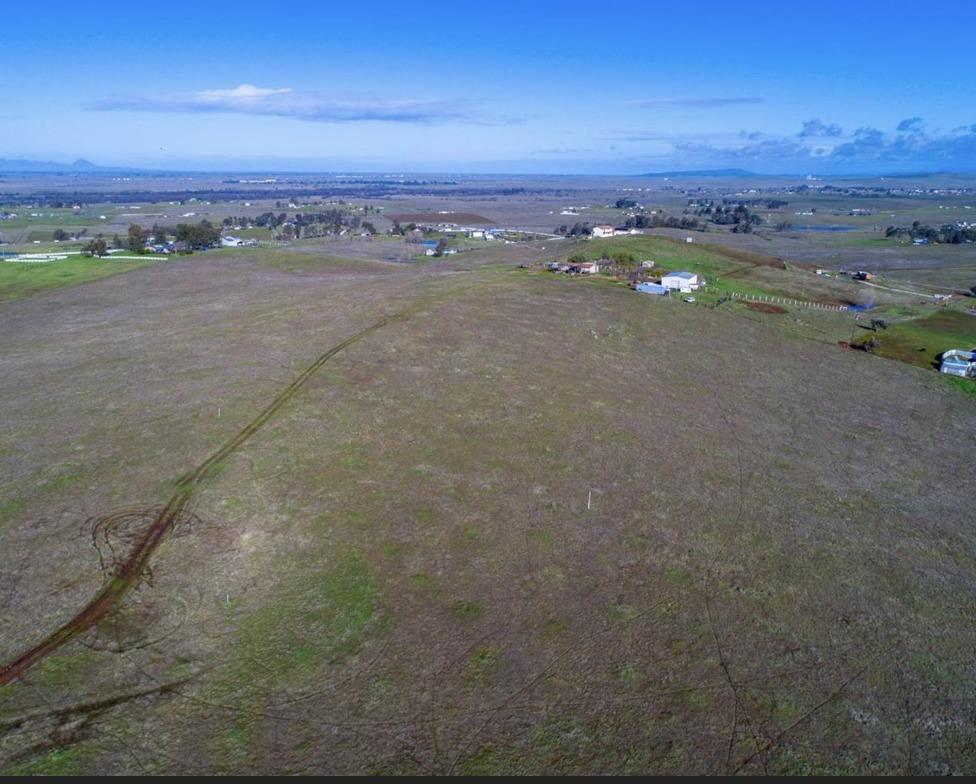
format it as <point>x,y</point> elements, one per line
<point>682,281</point>
<point>652,288</point>
<point>956,362</point>
<point>585,268</point>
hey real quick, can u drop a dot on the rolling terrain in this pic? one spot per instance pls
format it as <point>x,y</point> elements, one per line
<point>460,517</point>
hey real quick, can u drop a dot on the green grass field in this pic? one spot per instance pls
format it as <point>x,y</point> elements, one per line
<point>919,341</point>
<point>19,280</point>
<point>726,270</point>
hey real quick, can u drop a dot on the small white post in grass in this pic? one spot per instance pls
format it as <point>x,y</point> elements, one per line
<point>589,500</point>
<point>218,412</point>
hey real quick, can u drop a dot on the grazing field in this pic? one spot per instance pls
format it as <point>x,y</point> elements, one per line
<point>921,341</point>
<point>18,280</point>
<point>730,270</point>
<point>497,521</point>
<point>441,217</point>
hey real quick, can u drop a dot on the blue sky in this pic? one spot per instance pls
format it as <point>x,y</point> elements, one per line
<point>571,87</point>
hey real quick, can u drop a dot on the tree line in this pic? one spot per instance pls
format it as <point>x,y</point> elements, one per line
<point>734,214</point>
<point>304,224</point>
<point>947,234</point>
<point>196,236</point>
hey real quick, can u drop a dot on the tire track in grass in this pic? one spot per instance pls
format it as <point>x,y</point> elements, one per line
<point>130,570</point>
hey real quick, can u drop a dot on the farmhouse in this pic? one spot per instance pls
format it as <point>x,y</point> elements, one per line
<point>236,242</point>
<point>682,281</point>
<point>603,230</point>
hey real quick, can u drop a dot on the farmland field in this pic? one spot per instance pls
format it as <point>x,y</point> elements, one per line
<point>448,216</point>
<point>459,546</point>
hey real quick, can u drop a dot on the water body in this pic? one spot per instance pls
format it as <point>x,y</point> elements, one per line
<point>823,227</point>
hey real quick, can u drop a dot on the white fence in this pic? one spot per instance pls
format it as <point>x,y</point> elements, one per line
<point>46,258</point>
<point>796,303</point>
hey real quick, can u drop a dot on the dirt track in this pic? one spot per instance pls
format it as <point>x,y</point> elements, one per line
<point>131,569</point>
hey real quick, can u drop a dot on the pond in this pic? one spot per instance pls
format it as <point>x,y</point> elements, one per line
<point>822,227</point>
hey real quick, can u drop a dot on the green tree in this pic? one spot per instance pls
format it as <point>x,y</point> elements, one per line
<point>97,247</point>
<point>137,238</point>
<point>623,262</point>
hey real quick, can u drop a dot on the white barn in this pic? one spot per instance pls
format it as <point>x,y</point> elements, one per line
<point>682,281</point>
<point>603,230</point>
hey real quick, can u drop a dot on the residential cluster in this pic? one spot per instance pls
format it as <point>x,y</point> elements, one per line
<point>680,281</point>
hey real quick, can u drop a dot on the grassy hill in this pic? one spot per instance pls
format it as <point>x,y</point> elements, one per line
<point>537,524</point>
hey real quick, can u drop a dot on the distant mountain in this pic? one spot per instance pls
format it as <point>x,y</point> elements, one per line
<point>19,165</point>
<point>703,173</point>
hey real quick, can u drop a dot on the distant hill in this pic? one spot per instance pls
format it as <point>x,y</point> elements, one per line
<point>703,173</point>
<point>20,165</point>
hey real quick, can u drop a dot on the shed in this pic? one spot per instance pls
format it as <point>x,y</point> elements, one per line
<point>652,288</point>
<point>957,362</point>
<point>586,268</point>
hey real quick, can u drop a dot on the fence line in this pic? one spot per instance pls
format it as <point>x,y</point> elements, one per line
<point>796,303</point>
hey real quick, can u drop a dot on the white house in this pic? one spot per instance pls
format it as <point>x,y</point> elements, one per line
<point>234,242</point>
<point>682,281</point>
<point>589,268</point>
<point>603,230</point>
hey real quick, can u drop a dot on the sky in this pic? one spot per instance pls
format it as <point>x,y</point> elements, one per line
<point>493,87</point>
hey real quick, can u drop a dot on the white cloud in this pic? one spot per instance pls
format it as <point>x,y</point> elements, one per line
<point>312,106</point>
<point>244,92</point>
<point>908,146</point>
